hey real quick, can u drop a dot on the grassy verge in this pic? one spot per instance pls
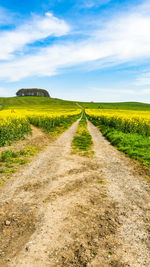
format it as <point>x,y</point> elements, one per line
<point>82,142</point>
<point>134,145</point>
<point>11,161</point>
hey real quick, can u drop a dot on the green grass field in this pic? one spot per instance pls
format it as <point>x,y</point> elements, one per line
<point>36,103</point>
<point>46,104</point>
<point>119,105</point>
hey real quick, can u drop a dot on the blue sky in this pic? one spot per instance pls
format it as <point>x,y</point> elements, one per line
<point>88,50</point>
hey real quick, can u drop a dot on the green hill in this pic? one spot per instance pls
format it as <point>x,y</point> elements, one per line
<point>46,104</point>
<point>36,103</point>
<point>117,105</point>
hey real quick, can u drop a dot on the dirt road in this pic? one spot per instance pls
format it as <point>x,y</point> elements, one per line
<point>67,210</point>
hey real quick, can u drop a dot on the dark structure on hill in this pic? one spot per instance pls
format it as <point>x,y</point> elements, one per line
<point>33,92</point>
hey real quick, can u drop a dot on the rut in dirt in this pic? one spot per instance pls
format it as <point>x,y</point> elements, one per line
<point>68,210</point>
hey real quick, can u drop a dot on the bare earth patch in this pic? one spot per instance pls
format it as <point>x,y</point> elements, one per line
<point>66,210</point>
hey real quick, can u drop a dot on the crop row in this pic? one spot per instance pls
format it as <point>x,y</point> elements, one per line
<point>13,129</point>
<point>15,125</point>
<point>125,121</point>
<point>49,124</point>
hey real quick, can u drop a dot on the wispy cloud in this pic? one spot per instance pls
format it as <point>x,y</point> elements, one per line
<point>143,79</point>
<point>37,28</point>
<point>93,3</point>
<point>5,92</point>
<point>6,17</point>
<point>125,38</point>
<point>123,91</point>
<point>109,94</point>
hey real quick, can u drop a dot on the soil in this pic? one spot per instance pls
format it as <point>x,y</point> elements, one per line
<point>63,209</point>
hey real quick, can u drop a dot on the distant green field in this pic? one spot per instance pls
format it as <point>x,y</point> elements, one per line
<point>46,104</point>
<point>119,105</point>
<point>36,103</point>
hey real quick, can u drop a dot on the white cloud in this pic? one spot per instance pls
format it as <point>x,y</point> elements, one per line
<point>37,28</point>
<point>48,61</point>
<point>124,38</point>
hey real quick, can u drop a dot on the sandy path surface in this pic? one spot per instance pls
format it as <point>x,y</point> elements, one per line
<point>67,210</point>
<point>131,193</point>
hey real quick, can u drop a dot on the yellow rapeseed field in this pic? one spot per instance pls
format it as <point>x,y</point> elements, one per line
<point>125,114</point>
<point>124,120</point>
<point>15,123</point>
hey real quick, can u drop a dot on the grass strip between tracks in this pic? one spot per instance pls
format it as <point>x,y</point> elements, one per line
<point>82,141</point>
